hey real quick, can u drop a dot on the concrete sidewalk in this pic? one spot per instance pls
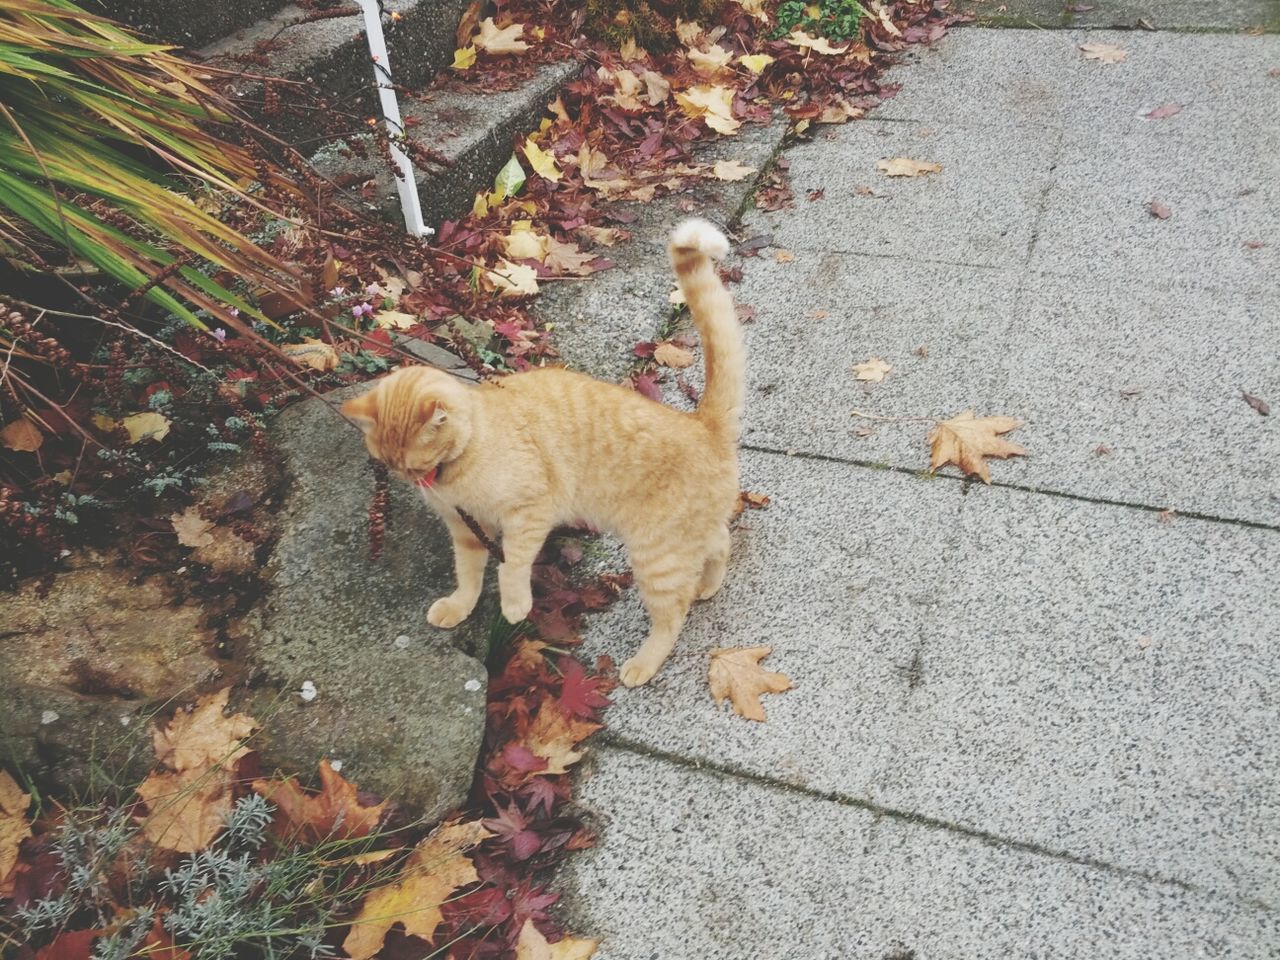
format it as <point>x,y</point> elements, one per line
<point>1032,719</point>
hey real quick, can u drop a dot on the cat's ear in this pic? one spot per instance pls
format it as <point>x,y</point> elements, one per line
<point>439,415</point>
<point>360,411</point>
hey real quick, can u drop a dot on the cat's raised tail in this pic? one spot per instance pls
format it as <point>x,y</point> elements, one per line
<point>695,244</point>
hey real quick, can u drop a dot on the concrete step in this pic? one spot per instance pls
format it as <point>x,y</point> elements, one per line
<point>188,23</point>
<point>329,56</point>
<point>475,130</point>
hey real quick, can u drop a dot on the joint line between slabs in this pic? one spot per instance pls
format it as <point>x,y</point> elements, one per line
<point>1021,488</point>
<point>985,837</point>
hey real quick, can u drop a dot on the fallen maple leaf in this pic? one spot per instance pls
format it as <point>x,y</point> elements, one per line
<point>532,945</point>
<point>187,809</point>
<point>1105,52</point>
<point>756,62</point>
<point>747,500</point>
<point>205,737</point>
<point>798,38</point>
<point>14,828</point>
<point>335,811</point>
<point>500,41</point>
<point>871,371</point>
<point>688,31</point>
<point>657,87</point>
<point>437,867</point>
<point>394,320</point>
<point>842,111</point>
<point>464,58</point>
<point>1160,211</point>
<point>513,279</point>
<point>669,355</point>
<point>966,441</point>
<point>735,675</point>
<point>713,104</point>
<point>312,353</point>
<point>886,20</point>
<point>22,435</point>
<point>1166,110</point>
<point>191,528</point>
<point>709,62</point>
<point>566,258</point>
<point>543,163</point>
<point>731,170</point>
<point>906,167</point>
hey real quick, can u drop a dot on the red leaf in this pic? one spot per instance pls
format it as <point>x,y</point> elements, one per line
<point>73,945</point>
<point>647,384</point>
<point>580,695</point>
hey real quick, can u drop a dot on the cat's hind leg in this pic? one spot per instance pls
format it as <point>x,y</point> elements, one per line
<point>715,566</point>
<point>668,581</point>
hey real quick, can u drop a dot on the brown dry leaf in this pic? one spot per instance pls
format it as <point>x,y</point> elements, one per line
<point>798,38</point>
<point>205,737</point>
<point>394,320</point>
<point>711,103</point>
<point>886,20</point>
<point>333,812</point>
<point>553,736</point>
<point>187,808</point>
<point>437,867</point>
<point>144,426</point>
<point>532,945</point>
<point>1259,405</point>
<point>14,828</point>
<point>747,500</point>
<point>841,111</point>
<point>731,170</point>
<point>22,435</point>
<point>1106,52</point>
<point>688,31</point>
<point>871,371</point>
<point>467,25</point>
<point>312,353</point>
<point>227,552</point>
<point>710,62</point>
<point>605,236</point>
<point>566,258</point>
<point>626,90</point>
<point>755,8</point>
<point>966,441</point>
<point>785,256</point>
<point>191,528</point>
<point>657,87</point>
<point>735,675</point>
<point>500,41</point>
<point>906,167</point>
<point>669,355</point>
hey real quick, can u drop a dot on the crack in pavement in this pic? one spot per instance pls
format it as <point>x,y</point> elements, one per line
<point>1022,488</point>
<point>617,742</point>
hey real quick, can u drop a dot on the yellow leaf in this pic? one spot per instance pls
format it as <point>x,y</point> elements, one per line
<point>514,280</point>
<point>629,51</point>
<point>711,103</point>
<point>524,243</point>
<point>480,206</point>
<point>532,945</point>
<point>731,170</point>
<point>312,353</point>
<point>464,58</point>
<point>905,167</point>
<point>756,62</point>
<point>437,867</point>
<point>187,808</point>
<point>1106,52</point>
<point>626,90</point>
<point>204,738</point>
<point>966,441</point>
<point>499,41</point>
<point>871,371</point>
<point>710,62</point>
<point>735,675</point>
<point>669,355</point>
<point>543,163</point>
<point>553,736</point>
<point>756,9</point>
<point>145,426</point>
<point>394,320</point>
<point>798,38</point>
<point>657,87</point>
<point>785,256</point>
<point>22,435</point>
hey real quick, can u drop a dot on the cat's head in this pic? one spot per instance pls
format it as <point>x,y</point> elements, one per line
<point>413,420</point>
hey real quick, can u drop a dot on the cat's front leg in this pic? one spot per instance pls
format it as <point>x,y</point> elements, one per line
<point>469,559</point>
<point>523,535</point>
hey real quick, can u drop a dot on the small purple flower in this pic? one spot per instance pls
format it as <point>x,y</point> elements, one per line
<point>373,290</point>
<point>220,335</point>
<point>336,292</point>
<point>363,310</point>
<point>234,312</point>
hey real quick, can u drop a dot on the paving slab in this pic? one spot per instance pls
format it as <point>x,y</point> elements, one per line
<point>1078,677</point>
<point>1190,15</point>
<point>721,868</point>
<point>1153,373</point>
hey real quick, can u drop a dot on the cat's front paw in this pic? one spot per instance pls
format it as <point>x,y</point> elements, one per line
<point>448,612</point>
<point>516,609</point>
<point>638,670</point>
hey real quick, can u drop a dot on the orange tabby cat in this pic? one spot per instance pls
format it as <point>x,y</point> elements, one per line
<point>549,447</point>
